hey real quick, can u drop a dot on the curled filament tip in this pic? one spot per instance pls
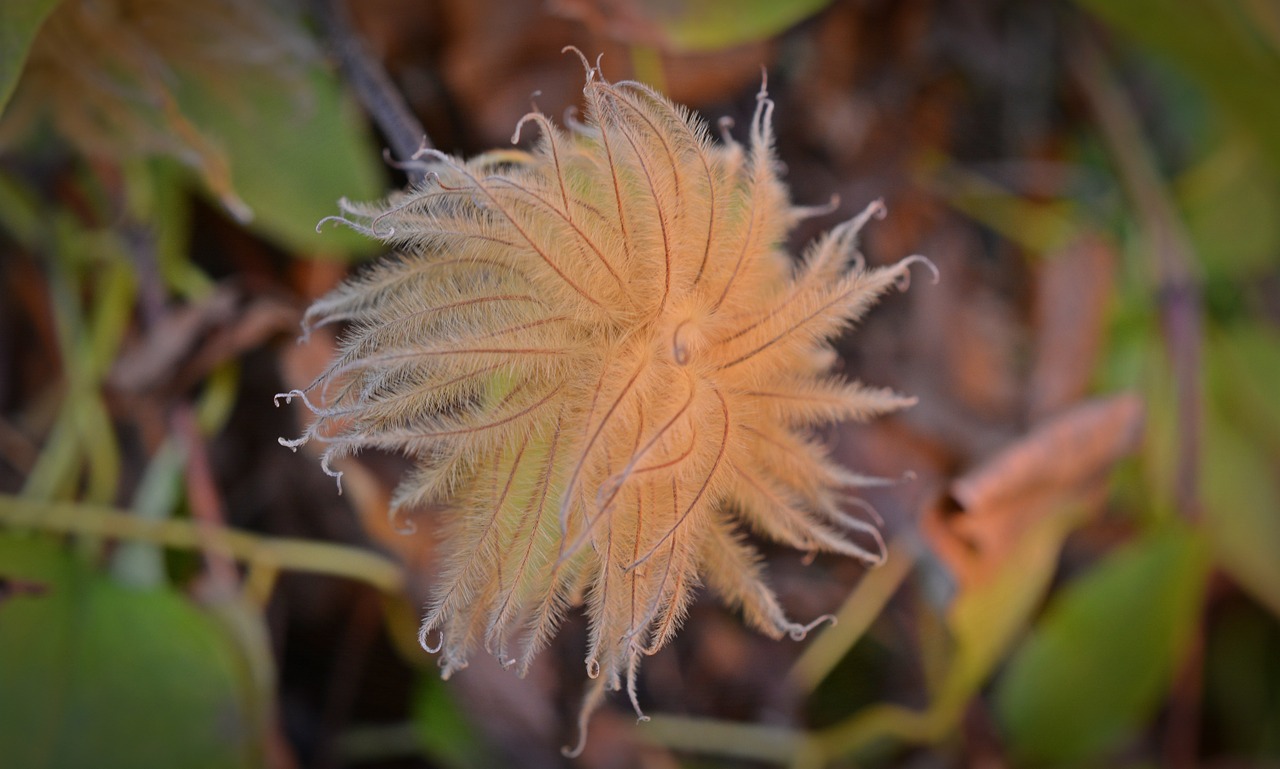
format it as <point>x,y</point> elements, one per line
<point>423,636</point>
<point>798,632</point>
<point>903,281</point>
<point>292,445</point>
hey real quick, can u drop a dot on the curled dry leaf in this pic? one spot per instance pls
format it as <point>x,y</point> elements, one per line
<point>606,368</point>
<point>979,523</point>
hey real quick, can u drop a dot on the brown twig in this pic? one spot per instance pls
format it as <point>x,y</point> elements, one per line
<point>345,675</point>
<point>1181,738</point>
<point>223,577</point>
<point>379,95</point>
<point>205,501</point>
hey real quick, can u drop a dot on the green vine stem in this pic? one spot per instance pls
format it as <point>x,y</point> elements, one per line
<point>255,549</point>
<point>757,742</point>
<point>861,608</point>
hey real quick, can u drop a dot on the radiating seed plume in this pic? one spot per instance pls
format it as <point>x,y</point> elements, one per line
<point>608,372</point>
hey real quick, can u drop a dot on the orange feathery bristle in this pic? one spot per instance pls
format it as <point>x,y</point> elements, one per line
<point>606,368</point>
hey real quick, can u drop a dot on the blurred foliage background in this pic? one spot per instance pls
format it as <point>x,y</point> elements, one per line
<point>1084,565</point>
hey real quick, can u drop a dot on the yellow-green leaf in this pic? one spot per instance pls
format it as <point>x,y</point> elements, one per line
<point>1216,44</point>
<point>20,20</point>
<point>292,156</point>
<point>1106,650</point>
<point>708,25</point>
<point>1242,511</point>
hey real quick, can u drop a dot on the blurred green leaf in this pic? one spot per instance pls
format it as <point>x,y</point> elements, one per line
<point>292,156</point>
<point>988,618</point>
<point>1096,666</point>
<point>1242,443</point>
<point>21,216</point>
<point>1231,211</point>
<point>709,25</point>
<point>97,674</point>
<point>89,337</point>
<point>218,399</point>
<point>1039,226</point>
<point>20,20</point>
<point>1217,44</point>
<point>1244,366</point>
<point>141,564</point>
<point>984,621</point>
<point>446,736</point>
<point>156,188</point>
<point>1242,511</point>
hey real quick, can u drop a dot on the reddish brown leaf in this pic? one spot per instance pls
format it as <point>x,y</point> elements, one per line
<point>1062,461</point>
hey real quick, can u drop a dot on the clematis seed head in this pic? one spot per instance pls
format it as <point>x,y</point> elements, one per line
<point>608,371</point>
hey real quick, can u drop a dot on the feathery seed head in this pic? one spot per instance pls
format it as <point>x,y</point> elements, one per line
<point>607,369</point>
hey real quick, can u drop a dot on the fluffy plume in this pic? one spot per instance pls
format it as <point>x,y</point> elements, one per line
<point>607,370</point>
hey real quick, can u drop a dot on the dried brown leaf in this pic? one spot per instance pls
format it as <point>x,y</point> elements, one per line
<point>980,522</point>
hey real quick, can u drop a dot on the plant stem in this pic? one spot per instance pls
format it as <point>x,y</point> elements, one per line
<point>861,608</point>
<point>283,552</point>
<point>372,85</point>
<point>1173,258</point>
<point>758,742</point>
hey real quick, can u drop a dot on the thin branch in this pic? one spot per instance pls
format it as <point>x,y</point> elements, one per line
<point>284,552</point>
<point>380,97</point>
<point>204,500</point>
<point>757,742</point>
<point>1173,258</point>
